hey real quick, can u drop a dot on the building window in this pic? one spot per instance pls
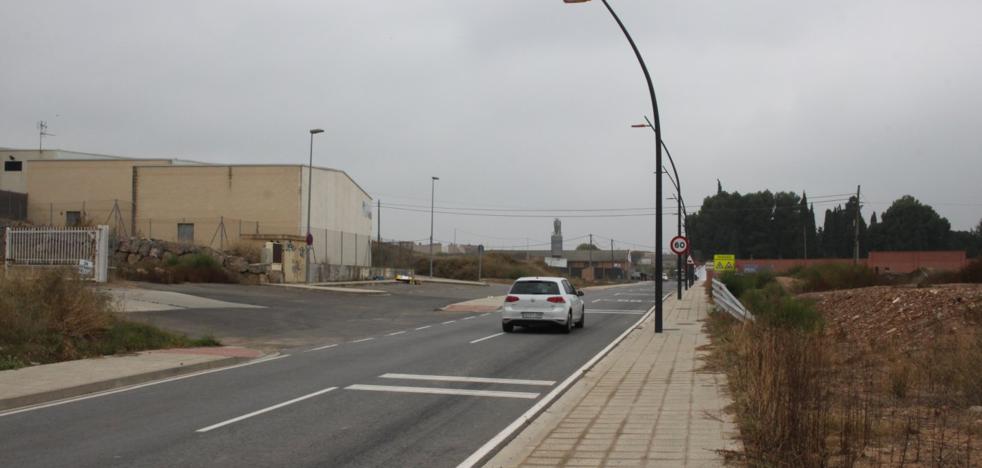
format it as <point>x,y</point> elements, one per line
<point>13,166</point>
<point>185,232</point>
<point>73,218</point>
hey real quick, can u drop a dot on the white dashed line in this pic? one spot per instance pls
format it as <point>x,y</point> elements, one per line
<point>468,318</point>
<point>265,410</point>
<point>487,338</point>
<point>396,333</point>
<point>321,347</point>
<point>448,322</point>
<point>362,340</point>
<point>424,327</point>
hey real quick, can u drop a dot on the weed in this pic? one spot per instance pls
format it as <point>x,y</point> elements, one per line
<point>836,276</point>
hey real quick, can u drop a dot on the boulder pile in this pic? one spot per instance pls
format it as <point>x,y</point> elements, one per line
<point>150,257</point>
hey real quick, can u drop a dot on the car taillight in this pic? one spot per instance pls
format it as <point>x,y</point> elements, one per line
<point>511,299</point>
<point>557,300</point>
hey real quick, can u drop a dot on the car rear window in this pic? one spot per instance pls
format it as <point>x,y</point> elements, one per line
<point>535,287</point>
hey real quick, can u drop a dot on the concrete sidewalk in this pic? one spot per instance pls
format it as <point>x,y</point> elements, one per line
<point>645,404</point>
<point>49,382</point>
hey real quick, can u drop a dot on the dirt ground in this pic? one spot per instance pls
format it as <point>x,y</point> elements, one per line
<point>907,317</point>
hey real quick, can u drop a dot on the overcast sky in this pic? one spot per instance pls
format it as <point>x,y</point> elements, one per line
<point>519,104</point>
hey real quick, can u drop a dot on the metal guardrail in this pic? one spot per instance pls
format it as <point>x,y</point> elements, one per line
<point>725,300</point>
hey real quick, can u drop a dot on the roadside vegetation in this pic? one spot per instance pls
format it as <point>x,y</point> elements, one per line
<point>191,268</point>
<point>56,316</point>
<point>492,266</point>
<point>879,376</point>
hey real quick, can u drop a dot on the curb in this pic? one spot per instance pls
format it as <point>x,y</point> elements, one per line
<point>499,441</point>
<point>69,392</point>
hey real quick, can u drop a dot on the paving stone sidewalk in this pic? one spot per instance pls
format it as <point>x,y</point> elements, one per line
<point>646,404</point>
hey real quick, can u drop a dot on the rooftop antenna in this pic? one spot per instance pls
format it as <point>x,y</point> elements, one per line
<point>42,132</point>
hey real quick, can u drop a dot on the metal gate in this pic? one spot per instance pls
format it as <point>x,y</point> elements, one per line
<point>84,248</point>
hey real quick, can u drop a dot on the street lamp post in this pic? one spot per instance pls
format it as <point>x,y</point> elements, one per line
<point>658,146</point>
<point>310,190</point>
<point>677,183</point>
<point>432,198</point>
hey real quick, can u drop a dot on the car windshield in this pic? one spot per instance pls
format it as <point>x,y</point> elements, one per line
<point>535,287</point>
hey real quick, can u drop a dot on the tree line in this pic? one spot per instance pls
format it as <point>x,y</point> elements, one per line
<point>783,225</point>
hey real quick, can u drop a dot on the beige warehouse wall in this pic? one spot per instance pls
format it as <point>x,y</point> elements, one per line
<point>249,198</point>
<point>55,187</point>
<point>341,226</point>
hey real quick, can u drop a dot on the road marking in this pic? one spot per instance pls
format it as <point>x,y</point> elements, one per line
<point>321,347</point>
<point>499,440</point>
<point>362,340</point>
<point>424,327</point>
<point>443,391</point>
<point>468,318</point>
<point>265,410</point>
<point>485,314</point>
<point>138,386</point>
<point>454,378</point>
<point>612,311</point>
<point>448,322</point>
<point>487,337</point>
<point>396,333</point>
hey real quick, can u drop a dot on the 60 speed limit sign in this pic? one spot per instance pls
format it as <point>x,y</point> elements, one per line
<point>680,245</point>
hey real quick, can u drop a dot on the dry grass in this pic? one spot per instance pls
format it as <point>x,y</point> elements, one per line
<point>55,316</point>
<point>819,398</point>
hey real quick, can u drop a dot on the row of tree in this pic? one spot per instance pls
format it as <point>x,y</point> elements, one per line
<point>782,225</point>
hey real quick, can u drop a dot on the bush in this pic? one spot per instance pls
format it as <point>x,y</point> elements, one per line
<point>773,306</point>
<point>494,265</point>
<point>836,276</point>
<point>56,316</point>
<point>738,283</point>
<point>191,268</point>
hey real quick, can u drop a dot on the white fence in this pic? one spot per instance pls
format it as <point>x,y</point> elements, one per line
<point>725,300</point>
<point>84,248</point>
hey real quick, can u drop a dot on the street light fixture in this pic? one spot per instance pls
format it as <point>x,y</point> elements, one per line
<point>658,146</point>
<point>432,198</point>
<point>310,190</point>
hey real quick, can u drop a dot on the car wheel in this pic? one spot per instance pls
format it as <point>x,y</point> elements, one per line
<point>582,322</point>
<point>568,327</point>
<point>507,327</point>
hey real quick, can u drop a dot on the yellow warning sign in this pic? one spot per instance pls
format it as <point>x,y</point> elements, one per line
<point>724,262</point>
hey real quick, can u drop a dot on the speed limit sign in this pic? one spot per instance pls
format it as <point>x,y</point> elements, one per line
<point>680,245</point>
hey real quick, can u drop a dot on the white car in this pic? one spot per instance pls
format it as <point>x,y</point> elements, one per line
<point>543,300</point>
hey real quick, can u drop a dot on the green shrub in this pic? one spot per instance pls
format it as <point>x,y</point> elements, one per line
<point>836,276</point>
<point>738,283</point>
<point>773,306</point>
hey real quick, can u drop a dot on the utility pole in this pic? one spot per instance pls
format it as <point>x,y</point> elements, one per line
<point>527,254</point>
<point>381,251</point>
<point>590,251</point>
<point>804,238</point>
<point>855,253</point>
<point>432,199</point>
<point>612,257</point>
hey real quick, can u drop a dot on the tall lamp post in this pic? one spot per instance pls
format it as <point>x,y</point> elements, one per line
<point>432,198</point>
<point>310,190</point>
<point>658,164</point>
<point>678,190</point>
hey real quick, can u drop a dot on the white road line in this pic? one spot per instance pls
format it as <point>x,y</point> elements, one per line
<point>424,327</point>
<point>321,347</point>
<point>396,333</point>
<point>138,386</point>
<point>487,337</point>
<point>443,391</point>
<point>486,314</point>
<point>609,311</point>
<point>454,378</point>
<point>448,322</point>
<point>265,410</point>
<point>363,340</point>
<point>468,318</point>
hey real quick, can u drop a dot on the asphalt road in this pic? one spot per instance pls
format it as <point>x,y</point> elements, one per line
<point>399,396</point>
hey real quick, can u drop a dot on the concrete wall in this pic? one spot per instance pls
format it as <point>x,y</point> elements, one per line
<point>250,198</point>
<point>783,265</point>
<point>906,262</point>
<point>341,218</point>
<point>55,187</point>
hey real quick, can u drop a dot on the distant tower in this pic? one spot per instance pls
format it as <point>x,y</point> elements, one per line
<point>557,238</point>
